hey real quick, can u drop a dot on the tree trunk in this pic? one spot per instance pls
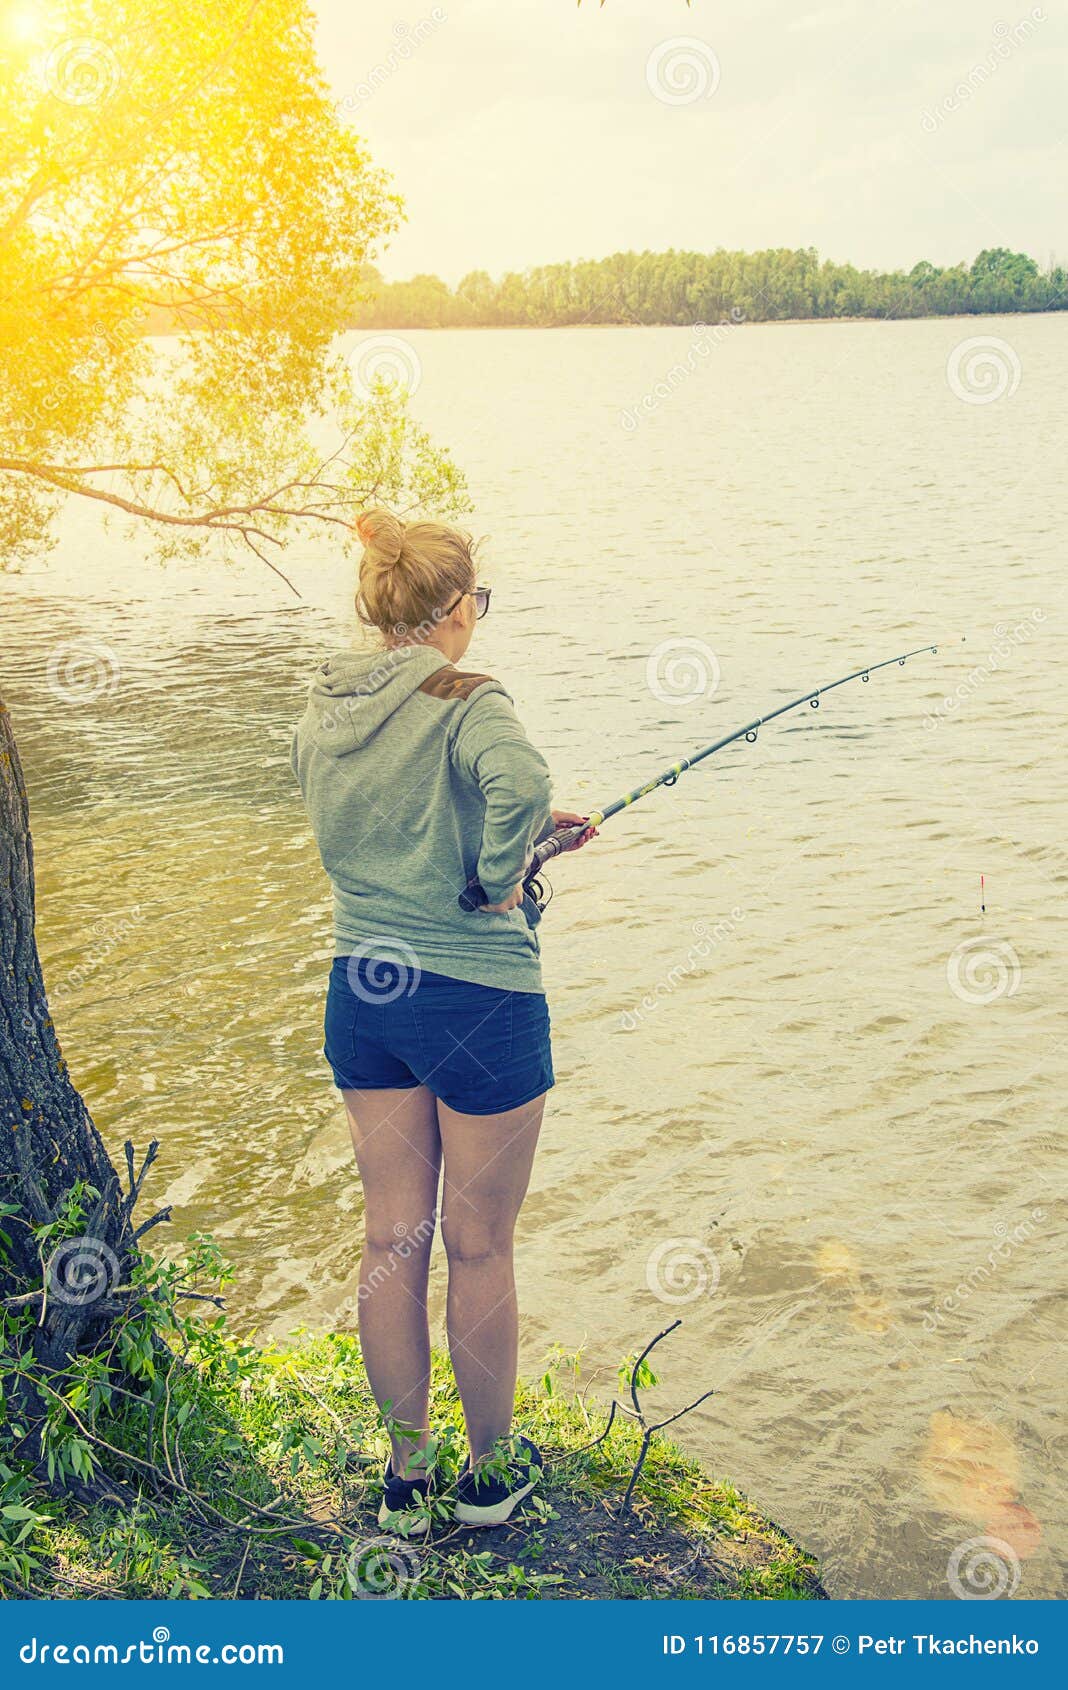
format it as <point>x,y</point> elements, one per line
<point>78,1280</point>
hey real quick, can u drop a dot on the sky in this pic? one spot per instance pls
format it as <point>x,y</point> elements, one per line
<point>522,132</point>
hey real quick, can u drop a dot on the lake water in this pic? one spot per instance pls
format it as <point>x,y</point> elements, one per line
<point>809,1095</point>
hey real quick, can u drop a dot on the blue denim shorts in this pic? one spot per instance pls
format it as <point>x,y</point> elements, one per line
<point>479,1049</point>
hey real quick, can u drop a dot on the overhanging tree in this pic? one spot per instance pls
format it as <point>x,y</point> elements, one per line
<point>183,170</point>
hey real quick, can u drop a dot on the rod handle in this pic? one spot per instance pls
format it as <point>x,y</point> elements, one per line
<point>474,896</point>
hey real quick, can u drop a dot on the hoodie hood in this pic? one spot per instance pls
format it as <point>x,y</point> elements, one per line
<point>353,693</point>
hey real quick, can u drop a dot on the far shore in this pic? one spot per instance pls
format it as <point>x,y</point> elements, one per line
<point>723,323</point>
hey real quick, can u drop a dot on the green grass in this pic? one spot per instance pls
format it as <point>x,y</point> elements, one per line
<point>282,1450</point>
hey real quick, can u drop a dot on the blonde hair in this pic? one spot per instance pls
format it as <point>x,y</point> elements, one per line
<point>410,573</point>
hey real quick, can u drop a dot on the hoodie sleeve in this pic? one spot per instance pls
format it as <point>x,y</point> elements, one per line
<point>491,747</point>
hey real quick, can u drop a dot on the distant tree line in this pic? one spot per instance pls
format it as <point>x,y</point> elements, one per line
<point>709,287</point>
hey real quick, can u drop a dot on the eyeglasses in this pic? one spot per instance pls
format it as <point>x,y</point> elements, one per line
<point>481,596</point>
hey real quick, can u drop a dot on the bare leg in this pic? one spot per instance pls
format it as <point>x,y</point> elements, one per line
<point>398,1152</point>
<point>488,1159</point>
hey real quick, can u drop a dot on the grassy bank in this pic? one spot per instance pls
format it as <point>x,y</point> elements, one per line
<point>256,1475</point>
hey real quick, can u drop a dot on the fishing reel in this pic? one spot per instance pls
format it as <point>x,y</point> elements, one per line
<point>539,892</point>
<point>535,888</point>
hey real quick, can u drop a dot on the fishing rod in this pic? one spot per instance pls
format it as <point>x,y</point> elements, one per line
<point>565,838</point>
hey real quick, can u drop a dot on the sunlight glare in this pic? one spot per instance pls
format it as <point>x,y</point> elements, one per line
<point>24,23</point>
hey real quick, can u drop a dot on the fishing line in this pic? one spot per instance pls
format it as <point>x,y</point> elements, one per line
<point>565,838</point>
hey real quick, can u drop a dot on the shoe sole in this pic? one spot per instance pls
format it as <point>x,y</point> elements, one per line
<point>469,1513</point>
<point>400,1524</point>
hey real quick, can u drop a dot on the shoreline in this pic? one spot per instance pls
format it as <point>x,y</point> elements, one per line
<point>179,332</point>
<point>723,323</point>
<point>292,1433</point>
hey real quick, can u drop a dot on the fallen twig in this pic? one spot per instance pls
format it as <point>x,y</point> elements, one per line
<point>649,1431</point>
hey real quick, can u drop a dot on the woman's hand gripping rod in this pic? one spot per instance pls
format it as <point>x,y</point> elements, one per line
<point>565,838</point>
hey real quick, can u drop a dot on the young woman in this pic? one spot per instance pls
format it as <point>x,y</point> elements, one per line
<point>417,777</point>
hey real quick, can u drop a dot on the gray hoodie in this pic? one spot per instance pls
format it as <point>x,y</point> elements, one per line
<point>417,776</point>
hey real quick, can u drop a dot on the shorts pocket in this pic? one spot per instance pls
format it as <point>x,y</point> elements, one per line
<point>494,1026</point>
<point>339,1021</point>
<point>465,1030</point>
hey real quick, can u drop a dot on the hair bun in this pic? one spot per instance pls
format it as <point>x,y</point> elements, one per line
<point>382,534</point>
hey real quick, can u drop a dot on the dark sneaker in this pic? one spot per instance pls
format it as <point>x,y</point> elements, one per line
<point>403,1510</point>
<point>487,1499</point>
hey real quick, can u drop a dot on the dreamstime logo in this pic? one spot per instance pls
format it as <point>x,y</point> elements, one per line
<point>1007,1242</point>
<point>408,38</point>
<point>159,1651</point>
<point>1006,639</point>
<point>82,671</point>
<point>705,941</point>
<point>682,70</point>
<point>96,949</point>
<point>385,359</point>
<point>383,978</point>
<point>981,970</point>
<point>983,368</point>
<point>1007,37</point>
<point>409,1242</point>
<point>340,716</point>
<point>81,1271</point>
<point>82,72</point>
<point>380,1570</point>
<point>702,344</point>
<point>680,671</point>
<point>104,343</point>
<point>983,1569</point>
<point>681,1270</point>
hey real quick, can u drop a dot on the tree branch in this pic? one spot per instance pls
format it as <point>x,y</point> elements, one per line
<point>650,1431</point>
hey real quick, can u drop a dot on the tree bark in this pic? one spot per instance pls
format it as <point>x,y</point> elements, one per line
<point>48,1141</point>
